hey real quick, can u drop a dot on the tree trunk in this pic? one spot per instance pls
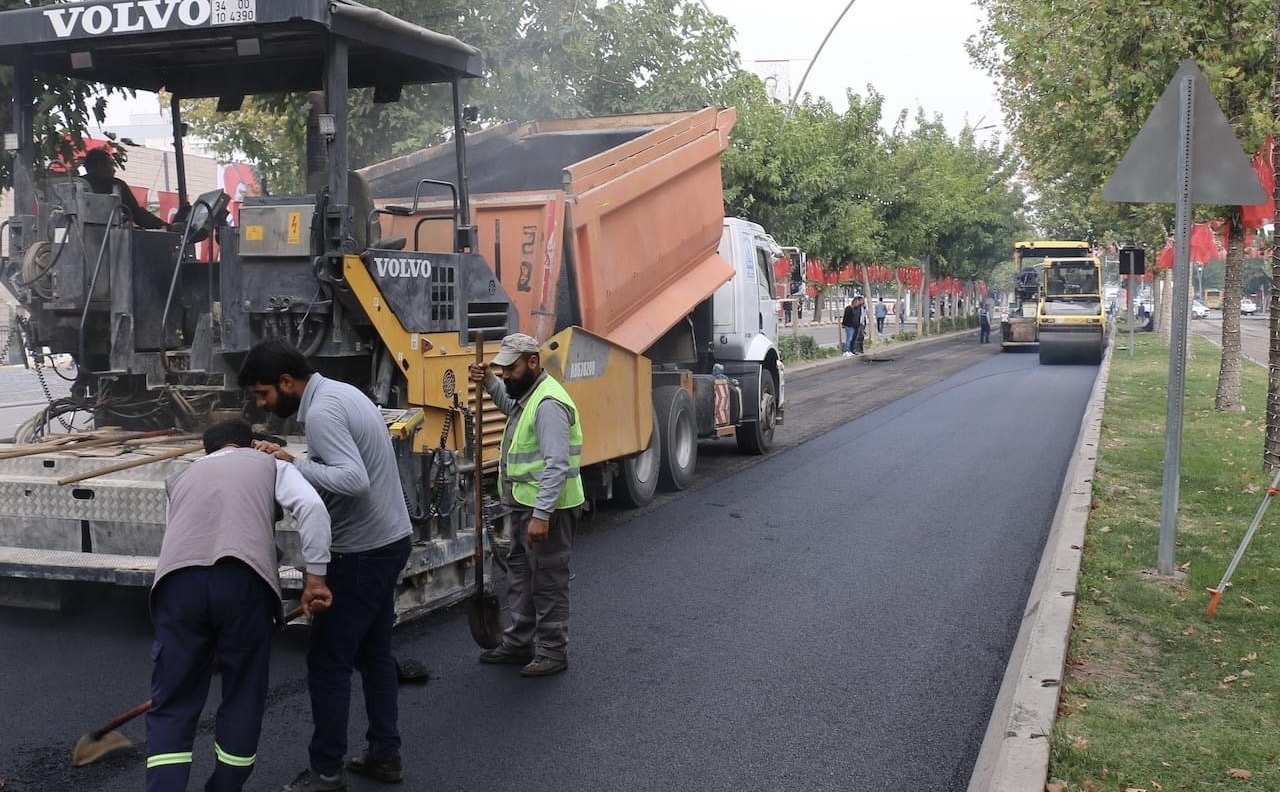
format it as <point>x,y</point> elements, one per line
<point>1162,294</point>
<point>1271,445</point>
<point>1229,397</point>
<point>922,320</point>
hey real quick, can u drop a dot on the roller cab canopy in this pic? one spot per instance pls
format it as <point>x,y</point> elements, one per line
<point>205,48</point>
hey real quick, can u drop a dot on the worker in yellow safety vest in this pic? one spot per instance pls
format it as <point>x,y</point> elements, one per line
<point>539,480</point>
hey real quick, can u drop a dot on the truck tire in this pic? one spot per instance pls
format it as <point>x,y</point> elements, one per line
<point>673,414</point>
<point>756,437</point>
<point>638,474</point>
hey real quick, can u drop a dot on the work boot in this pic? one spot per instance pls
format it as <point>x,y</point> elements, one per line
<point>505,654</point>
<point>544,666</point>
<point>311,781</point>
<point>387,770</point>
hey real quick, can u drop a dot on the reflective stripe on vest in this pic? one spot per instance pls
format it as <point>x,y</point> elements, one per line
<point>231,759</point>
<point>525,462</point>
<point>166,759</point>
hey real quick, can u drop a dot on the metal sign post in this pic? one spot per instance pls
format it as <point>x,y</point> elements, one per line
<point>1128,282</point>
<point>1186,125</point>
<point>1178,334</point>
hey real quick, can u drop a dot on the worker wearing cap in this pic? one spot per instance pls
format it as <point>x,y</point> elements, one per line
<point>216,598</point>
<point>538,479</point>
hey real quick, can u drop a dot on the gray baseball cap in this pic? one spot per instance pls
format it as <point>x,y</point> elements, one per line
<point>513,346</point>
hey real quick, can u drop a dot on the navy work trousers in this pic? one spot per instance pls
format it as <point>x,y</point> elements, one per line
<point>355,635</point>
<point>226,613</point>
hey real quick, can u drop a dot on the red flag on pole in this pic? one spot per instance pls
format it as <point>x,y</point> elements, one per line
<point>1257,215</point>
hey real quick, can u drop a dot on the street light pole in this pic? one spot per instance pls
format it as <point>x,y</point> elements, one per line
<point>791,106</point>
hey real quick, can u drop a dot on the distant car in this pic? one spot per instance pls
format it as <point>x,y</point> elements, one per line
<point>1248,307</point>
<point>1198,310</point>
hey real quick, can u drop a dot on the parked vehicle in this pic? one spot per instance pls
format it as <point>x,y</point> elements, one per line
<point>1199,310</point>
<point>618,226</point>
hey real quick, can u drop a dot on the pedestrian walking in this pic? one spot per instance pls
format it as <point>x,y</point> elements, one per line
<point>538,480</point>
<point>849,324</point>
<point>901,310</point>
<point>984,324</point>
<point>216,598</point>
<point>882,311</point>
<point>351,462</point>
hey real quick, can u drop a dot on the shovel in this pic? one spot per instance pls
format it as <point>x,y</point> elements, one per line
<point>484,614</point>
<point>106,741</point>
<point>1215,594</point>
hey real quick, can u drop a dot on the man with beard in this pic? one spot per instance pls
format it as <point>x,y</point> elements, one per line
<point>351,463</point>
<point>538,480</point>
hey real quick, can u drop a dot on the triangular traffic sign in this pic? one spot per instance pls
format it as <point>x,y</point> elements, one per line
<point>1220,171</point>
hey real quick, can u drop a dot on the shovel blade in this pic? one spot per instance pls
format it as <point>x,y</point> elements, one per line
<point>89,750</point>
<point>484,617</point>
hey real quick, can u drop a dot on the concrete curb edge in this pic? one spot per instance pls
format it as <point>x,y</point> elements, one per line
<point>810,367</point>
<point>1015,751</point>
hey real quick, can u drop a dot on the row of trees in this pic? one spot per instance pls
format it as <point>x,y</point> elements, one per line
<point>837,184</point>
<point>848,191</point>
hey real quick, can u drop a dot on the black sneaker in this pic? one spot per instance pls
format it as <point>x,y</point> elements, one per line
<point>311,781</point>
<point>544,666</point>
<point>388,770</point>
<point>506,655</point>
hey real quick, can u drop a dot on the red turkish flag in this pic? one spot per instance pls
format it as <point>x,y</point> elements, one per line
<point>1258,214</point>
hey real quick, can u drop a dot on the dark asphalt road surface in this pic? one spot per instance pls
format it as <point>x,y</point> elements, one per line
<point>834,616</point>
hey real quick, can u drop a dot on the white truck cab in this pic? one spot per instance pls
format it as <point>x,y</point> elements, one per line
<point>746,313</point>
<point>745,319</point>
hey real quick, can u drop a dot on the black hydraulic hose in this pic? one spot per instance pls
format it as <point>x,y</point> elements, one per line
<point>173,284</point>
<point>93,281</point>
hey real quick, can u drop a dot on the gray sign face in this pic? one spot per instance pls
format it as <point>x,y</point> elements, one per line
<point>1220,171</point>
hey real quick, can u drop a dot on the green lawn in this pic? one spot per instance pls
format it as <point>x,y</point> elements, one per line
<point>1157,696</point>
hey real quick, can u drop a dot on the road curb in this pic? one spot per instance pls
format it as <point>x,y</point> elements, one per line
<point>881,350</point>
<point>1015,751</point>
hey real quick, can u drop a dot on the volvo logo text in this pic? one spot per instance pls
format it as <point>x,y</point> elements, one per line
<point>402,267</point>
<point>128,16</point>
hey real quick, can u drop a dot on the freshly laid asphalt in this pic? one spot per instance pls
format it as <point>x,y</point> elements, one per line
<point>836,616</point>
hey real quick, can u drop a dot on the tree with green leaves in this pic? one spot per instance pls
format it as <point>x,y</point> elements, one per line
<point>848,192</point>
<point>65,111</point>
<point>544,59</point>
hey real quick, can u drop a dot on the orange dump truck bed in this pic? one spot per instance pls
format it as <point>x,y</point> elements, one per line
<point>610,224</point>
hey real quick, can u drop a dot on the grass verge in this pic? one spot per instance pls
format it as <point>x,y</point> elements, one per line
<point>1157,696</point>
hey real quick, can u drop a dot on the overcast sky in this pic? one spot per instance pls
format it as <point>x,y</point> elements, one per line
<point>912,51</point>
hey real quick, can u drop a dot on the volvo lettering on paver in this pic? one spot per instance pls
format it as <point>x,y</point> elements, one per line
<point>582,369</point>
<point>402,267</point>
<point>131,16</point>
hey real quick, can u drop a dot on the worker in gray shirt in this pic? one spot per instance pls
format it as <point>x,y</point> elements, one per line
<point>538,478</point>
<point>216,597</point>
<point>351,463</point>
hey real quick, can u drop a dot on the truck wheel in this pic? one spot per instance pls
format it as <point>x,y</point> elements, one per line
<point>756,437</point>
<point>673,414</point>
<point>638,475</point>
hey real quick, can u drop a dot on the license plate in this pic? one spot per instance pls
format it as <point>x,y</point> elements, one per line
<point>234,12</point>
